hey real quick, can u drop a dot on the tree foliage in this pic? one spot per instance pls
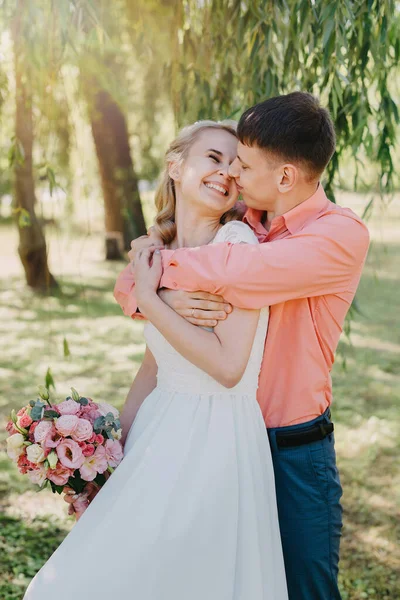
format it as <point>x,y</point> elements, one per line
<point>233,53</point>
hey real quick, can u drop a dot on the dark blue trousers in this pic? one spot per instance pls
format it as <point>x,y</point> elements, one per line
<point>310,515</point>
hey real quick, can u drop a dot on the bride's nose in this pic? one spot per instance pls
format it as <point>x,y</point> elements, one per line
<point>224,171</point>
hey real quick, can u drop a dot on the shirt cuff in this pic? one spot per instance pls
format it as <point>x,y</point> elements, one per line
<point>124,293</point>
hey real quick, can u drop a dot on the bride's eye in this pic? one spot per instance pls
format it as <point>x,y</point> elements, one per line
<point>215,158</point>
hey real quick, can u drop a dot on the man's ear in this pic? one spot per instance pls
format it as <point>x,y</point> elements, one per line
<point>174,170</point>
<point>288,176</point>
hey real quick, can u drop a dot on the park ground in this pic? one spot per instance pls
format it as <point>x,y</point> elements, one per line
<point>104,350</point>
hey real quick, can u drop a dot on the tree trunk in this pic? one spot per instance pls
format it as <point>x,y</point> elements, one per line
<point>32,243</point>
<point>124,219</point>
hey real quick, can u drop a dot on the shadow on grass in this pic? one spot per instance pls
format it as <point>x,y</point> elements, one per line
<point>24,548</point>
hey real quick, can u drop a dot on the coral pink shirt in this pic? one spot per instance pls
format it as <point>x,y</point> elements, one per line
<point>306,268</point>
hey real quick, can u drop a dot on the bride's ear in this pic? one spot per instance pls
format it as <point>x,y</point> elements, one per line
<point>174,171</point>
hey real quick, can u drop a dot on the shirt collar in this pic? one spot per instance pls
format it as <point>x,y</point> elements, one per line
<point>294,218</point>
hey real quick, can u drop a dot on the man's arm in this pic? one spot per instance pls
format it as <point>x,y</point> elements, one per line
<point>324,258</point>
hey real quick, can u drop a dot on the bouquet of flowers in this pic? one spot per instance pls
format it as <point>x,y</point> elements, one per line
<point>65,445</point>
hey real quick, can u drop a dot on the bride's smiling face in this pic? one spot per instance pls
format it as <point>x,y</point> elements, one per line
<point>202,179</point>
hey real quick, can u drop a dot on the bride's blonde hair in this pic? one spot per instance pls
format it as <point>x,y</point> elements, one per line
<point>165,199</point>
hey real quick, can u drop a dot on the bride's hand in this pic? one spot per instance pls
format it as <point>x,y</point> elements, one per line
<point>148,271</point>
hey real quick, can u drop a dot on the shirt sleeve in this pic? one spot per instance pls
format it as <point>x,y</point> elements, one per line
<point>124,293</point>
<point>323,258</point>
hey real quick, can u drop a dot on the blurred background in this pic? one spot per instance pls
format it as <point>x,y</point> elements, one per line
<point>91,93</point>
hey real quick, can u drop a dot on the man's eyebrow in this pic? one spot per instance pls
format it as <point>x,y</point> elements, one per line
<point>242,161</point>
<point>216,151</point>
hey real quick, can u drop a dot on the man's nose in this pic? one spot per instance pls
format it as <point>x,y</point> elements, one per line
<point>233,170</point>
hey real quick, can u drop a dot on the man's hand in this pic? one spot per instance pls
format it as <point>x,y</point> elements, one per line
<point>199,308</point>
<point>152,240</point>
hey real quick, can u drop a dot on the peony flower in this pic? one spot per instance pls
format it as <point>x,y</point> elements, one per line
<point>114,452</point>
<point>24,421</point>
<point>35,453</point>
<point>60,475</point>
<point>94,464</point>
<point>66,424</point>
<point>53,459</point>
<point>68,407</point>
<point>69,453</point>
<point>105,408</point>
<point>83,431</point>
<point>38,475</point>
<point>15,446</point>
<point>42,430</point>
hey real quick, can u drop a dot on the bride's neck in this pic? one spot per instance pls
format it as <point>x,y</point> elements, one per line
<point>193,229</point>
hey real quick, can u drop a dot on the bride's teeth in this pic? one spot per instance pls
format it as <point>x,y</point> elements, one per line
<point>217,187</point>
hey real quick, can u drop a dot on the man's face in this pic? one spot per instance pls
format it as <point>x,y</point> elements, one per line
<point>255,176</point>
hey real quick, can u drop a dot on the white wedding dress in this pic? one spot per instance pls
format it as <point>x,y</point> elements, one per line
<point>190,513</point>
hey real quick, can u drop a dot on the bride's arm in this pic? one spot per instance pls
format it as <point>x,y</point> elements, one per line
<point>143,384</point>
<point>222,353</point>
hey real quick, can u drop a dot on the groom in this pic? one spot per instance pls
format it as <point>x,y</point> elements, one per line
<point>306,268</point>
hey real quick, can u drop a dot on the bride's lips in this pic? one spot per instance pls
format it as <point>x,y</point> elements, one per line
<point>221,185</point>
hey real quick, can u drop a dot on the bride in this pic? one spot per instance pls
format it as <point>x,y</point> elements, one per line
<point>190,512</point>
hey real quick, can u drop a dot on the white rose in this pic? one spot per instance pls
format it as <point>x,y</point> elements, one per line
<point>35,453</point>
<point>15,446</point>
<point>38,476</point>
<point>105,408</point>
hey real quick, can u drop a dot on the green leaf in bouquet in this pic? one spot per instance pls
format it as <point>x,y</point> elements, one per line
<point>117,424</point>
<point>99,424</point>
<point>83,401</point>
<point>56,488</point>
<point>36,412</point>
<point>76,482</point>
<point>100,479</point>
<point>109,434</point>
<point>50,414</point>
<point>32,402</point>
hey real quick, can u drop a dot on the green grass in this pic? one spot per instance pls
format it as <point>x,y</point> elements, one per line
<point>106,350</point>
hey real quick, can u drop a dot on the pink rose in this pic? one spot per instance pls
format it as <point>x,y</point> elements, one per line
<point>60,474</point>
<point>83,431</point>
<point>88,450</point>
<point>10,428</point>
<point>70,454</point>
<point>25,421</point>
<point>94,464</point>
<point>99,439</point>
<point>42,430</point>
<point>114,452</point>
<point>68,407</point>
<point>66,424</point>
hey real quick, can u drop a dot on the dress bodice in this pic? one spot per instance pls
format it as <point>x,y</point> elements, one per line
<point>175,373</point>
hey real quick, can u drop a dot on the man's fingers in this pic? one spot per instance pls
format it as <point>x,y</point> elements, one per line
<point>203,315</point>
<point>202,322</point>
<point>210,306</point>
<point>206,296</point>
